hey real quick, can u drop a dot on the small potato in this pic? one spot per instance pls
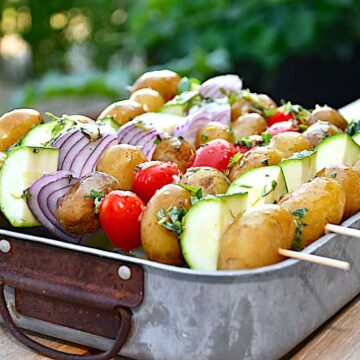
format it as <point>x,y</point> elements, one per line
<point>247,125</point>
<point>266,102</point>
<point>80,119</point>
<point>210,180</point>
<point>176,150</point>
<point>160,244</point>
<point>76,210</point>
<point>324,200</point>
<point>211,131</point>
<point>150,99</point>
<point>318,131</point>
<point>240,107</point>
<point>326,113</point>
<point>15,124</point>
<point>163,81</point>
<point>349,179</point>
<point>290,143</point>
<point>255,158</point>
<point>254,238</point>
<point>122,111</point>
<point>120,161</point>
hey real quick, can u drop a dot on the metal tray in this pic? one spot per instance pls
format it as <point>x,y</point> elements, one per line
<point>175,313</point>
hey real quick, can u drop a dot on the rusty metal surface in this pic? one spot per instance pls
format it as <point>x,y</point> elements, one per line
<point>68,288</point>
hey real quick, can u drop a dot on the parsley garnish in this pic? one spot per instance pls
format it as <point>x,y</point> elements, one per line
<point>204,137</point>
<point>157,140</point>
<point>90,134</point>
<point>266,137</point>
<point>196,192</point>
<point>235,159</point>
<point>266,191</point>
<point>171,219</point>
<point>299,213</point>
<point>97,197</point>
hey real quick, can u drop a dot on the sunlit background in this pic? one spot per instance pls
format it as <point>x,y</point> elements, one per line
<point>71,56</point>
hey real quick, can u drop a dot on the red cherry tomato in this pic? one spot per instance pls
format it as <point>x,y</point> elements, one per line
<point>279,117</point>
<point>120,215</point>
<point>281,127</point>
<point>152,176</point>
<point>242,148</point>
<point>216,153</point>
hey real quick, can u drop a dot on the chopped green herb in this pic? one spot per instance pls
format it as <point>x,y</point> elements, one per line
<point>266,137</point>
<point>297,242</point>
<point>171,219</point>
<point>246,186</point>
<point>270,112</point>
<point>91,134</point>
<point>26,194</point>
<point>235,159</point>
<point>204,137</point>
<point>36,150</point>
<point>333,175</point>
<point>187,84</point>
<point>196,192</point>
<point>266,191</point>
<point>158,139</point>
<point>300,212</point>
<point>97,197</point>
<point>141,126</point>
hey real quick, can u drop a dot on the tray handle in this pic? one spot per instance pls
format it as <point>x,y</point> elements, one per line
<point>119,341</point>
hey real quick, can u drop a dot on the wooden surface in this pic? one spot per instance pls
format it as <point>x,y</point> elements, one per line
<point>338,339</point>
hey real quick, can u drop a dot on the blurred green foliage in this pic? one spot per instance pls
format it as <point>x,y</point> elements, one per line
<point>200,37</point>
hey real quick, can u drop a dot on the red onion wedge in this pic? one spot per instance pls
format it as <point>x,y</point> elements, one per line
<point>137,133</point>
<point>220,86</point>
<point>82,149</point>
<point>220,112</point>
<point>43,197</point>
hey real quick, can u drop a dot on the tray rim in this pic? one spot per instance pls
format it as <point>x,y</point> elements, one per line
<point>316,245</point>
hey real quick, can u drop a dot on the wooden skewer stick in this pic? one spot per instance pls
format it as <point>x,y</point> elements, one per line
<point>343,265</point>
<point>342,230</point>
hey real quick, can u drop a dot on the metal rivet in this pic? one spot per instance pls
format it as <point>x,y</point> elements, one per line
<point>124,272</point>
<point>5,246</point>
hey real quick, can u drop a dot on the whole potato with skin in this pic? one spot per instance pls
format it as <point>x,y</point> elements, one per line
<point>320,130</point>
<point>255,158</point>
<point>247,125</point>
<point>290,143</point>
<point>254,238</point>
<point>120,161</point>
<point>324,200</point>
<point>150,99</point>
<point>210,180</point>
<point>176,150</point>
<point>15,124</point>
<point>122,111</point>
<point>211,131</point>
<point>160,244</point>
<point>326,113</point>
<point>266,102</point>
<point>165,82</point>
<point>76,210</point>
<point>349,179</point>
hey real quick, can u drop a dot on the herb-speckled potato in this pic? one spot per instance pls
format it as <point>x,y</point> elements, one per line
<point>150,99</point>
<point>122,111</point>
<point>326,113</point>
<point>15,124</point>
<point>120,161</point>
<point>254,238</point>
<point>349,179</point>
<point>165,82</point>
<point>76,210</point>
<point>160,244</point>
<point>247,125</point>
<point>210,180</point>
<point>176,150</point>
<point>255,158</point>
<point>320,130</point>
<point>324,201</point>
<point>213,130</point>
<point>290,142</point>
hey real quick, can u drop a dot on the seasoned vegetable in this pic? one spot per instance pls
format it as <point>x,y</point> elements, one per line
<point>257,157</point>
<point>161,224</point>
<point>349,179</point>
<point>332,116</point>
<point>175,150</point>
<point>15,124</point>
<point>150,99</point>
<point>213,130</point>
<point>321,201</point>
<point>122,111</point>
<point>76,210</point>
<point>165,82</point>
<point>289,143</point>
<point>254,238</point>
<point>210,180</point>
<point>248,124</point>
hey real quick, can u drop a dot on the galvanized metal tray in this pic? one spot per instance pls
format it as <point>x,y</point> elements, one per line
<point>176,313</point>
